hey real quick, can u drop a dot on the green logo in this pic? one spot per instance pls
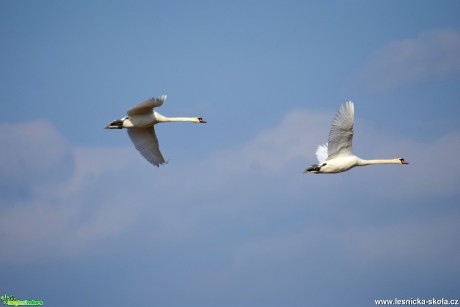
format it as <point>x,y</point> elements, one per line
<point>12,301</point>
<point>5,298</point>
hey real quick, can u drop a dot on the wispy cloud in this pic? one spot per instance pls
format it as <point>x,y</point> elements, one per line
<point>34,154</point>
<point>55,196</point>
<point>430,56</point>
<point>293,138</point>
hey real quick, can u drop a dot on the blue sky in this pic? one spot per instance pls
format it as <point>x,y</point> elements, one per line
<point>231,220</point>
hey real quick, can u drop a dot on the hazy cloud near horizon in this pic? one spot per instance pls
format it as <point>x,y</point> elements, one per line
<point>433,55</point>
<point>86,202</point>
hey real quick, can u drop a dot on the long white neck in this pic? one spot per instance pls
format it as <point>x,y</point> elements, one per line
<point>180,119</point>
<point>379,161</point>
<point>164,119</point>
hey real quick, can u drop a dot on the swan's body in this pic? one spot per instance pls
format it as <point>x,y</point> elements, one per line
<point>140,122</point>
<point>336,155</point>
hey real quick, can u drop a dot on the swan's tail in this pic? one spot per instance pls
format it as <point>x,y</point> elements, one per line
<point>313,169</point>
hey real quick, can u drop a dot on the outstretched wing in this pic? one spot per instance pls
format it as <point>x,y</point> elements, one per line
<point>341,134</point>
<point>146,142</point>
<point>321,153</point>
<point>147,106</point>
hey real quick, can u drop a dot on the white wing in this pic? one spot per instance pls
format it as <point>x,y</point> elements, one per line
<point>145,140</point>
<point>146,107</point>
<point>321,153</point>
<point>341,134</point>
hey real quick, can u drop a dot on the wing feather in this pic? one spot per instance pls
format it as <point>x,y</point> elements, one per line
<point>321,153</point>
<point>341,134</point>
<point>146,107</point>
<point>146,142</point>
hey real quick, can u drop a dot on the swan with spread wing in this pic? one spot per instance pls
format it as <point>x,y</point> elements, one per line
<point>336,155</point>
<point>140,124</point>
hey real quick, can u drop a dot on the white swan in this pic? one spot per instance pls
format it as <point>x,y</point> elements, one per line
<point>335,156</point>
<point>140,122</point>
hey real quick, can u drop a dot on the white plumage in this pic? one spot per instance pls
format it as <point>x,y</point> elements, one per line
<point>336,155</point>
<point>140,124</point>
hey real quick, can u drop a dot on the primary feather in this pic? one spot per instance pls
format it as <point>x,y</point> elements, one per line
<point>321,153</point>
<point>341,134</point>
<point>146,107</point>
<point>146,142</point>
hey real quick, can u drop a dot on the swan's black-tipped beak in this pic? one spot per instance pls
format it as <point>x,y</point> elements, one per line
<point>403,161</point>
<point>202,121</point>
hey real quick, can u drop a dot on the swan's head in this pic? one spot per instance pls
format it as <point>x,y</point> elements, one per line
<point>403,161</point>
<point>116,124</point>
<point>200,120</point>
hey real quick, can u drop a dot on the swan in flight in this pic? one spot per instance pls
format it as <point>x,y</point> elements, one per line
<point>335,156</point>
<point>140,124</point>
